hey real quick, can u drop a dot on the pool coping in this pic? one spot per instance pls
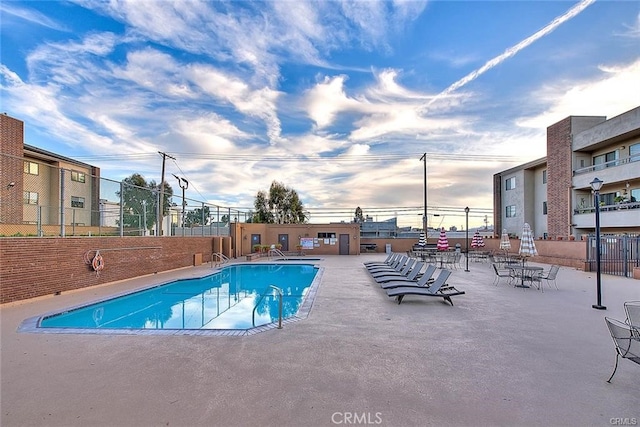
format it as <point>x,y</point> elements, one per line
<point>31,324</point>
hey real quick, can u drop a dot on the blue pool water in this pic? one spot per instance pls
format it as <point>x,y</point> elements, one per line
<point>236,297</point>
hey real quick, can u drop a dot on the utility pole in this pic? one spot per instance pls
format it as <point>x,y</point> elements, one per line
<point>161,202</point>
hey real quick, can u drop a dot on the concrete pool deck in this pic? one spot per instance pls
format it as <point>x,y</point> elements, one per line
<point>502,356</point>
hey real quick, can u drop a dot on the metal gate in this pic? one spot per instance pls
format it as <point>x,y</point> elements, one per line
<point>618,254</point>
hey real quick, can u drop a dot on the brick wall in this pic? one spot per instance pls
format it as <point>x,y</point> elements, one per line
<point>559,172</point>
<point>11,169</point>
<point>567,253</point>
<point>32,267</point>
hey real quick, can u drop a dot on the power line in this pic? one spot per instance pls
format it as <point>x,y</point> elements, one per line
<point>193,186</point>
<point>364,158</point>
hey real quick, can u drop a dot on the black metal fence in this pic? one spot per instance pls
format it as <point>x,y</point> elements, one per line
<point>618,254</point>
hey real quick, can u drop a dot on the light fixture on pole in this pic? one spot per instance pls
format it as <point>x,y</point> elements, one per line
<point>184,184</point>
<point>596,185</point>
<point>466,257</point>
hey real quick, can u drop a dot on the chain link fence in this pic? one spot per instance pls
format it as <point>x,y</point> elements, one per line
<point>38,199</point>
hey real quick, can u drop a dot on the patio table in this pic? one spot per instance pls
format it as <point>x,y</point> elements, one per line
<point>524,272</point>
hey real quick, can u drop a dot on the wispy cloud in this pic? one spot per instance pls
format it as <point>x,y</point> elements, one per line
<point>31,16</point>
<point>566,98</point>
<point>574,11</point>
<point>632,31</point>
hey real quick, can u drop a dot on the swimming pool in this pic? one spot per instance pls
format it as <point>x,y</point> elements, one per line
<point>238,297</point>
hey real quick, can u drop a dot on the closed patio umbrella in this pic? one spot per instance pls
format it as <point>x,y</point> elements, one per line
<point>443,242</point>
<point>527,245</point>
<point>422,241</point>
<point>505,243</point>
<point>477,241</point>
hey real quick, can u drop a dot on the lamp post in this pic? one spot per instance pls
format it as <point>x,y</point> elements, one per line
<point>425,224</point>
<point>184,184</point>
<point>466,257</point>
<point>596,185</point>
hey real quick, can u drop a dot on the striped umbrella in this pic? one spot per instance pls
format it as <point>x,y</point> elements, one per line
<point>443,242</point>
<point>422,241</point>
<point>505,243</point>
<point>527,245</point>
<point>477,241</point>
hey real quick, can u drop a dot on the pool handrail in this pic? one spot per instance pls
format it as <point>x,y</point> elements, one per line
<point>280,294</point>
<point>219,258</point>
<point>277,252</point>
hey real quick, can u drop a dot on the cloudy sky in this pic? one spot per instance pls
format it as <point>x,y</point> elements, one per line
<point>335,99</point>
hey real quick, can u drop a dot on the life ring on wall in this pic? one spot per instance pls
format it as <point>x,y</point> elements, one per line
<point>98,262</point>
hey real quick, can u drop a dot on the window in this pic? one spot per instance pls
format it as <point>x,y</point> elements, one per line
<point>599,161</point>
<point>510,183</point>
<point>77,176</point>
<point>544,176</point>
<point>30,198</point>
<point>326,235</point>
<point>31,168</point>
<point>544,208</point>
<point>607,199</point>
<point>634,150</point>
<point>511,211</point>
<point>77,202</point>
<point>635,195</point>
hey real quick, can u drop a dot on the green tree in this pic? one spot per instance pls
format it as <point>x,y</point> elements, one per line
<point>359,218</point>
<point>281,206</point>
<point>139,200</point>
<point>194,218</point>
<point>262,213</point>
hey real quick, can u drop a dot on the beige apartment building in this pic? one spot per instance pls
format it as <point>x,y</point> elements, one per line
<point>40,188</point>
<point>554,194</point>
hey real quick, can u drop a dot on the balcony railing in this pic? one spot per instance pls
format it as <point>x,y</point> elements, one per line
<point>610,164</point>
<point>608,208</point>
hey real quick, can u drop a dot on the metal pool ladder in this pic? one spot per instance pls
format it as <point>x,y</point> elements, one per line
<point>276,252</point>
<point>218,258</point>
<point>280,293</point>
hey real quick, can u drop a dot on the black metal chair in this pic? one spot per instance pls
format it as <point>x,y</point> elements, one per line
<point>550,276</point>
<point>632,308</point>
<point>626,342</point>
<point>500,273</point>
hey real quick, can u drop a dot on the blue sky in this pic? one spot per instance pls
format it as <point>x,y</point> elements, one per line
<point>337,100</point>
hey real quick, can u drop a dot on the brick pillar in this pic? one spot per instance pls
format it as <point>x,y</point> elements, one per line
<point>11,169</point>
<point>559,175</point>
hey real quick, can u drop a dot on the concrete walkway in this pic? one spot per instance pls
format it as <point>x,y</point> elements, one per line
<point>502,356</point>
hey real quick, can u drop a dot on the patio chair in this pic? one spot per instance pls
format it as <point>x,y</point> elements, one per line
<point>550,276</point>
<point>632,308</point>
<point>396,265</point>
<point>387,261</point>
<point>411,276</point>
<point>627,345</point>
<point>500,273</point>
<point>403,272</point>
<point>424,280</point>
<point>438,288</point>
